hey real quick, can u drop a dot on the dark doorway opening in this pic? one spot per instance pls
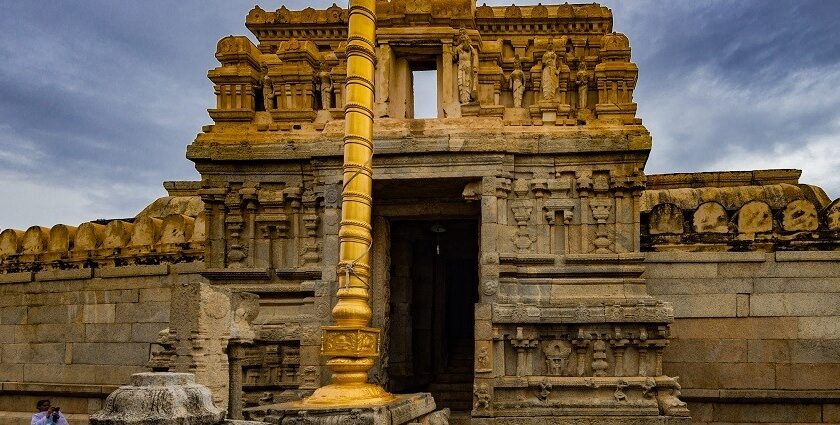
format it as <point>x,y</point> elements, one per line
<point>434,288</point>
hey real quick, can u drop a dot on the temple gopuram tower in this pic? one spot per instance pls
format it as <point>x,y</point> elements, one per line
<point>505,264</point>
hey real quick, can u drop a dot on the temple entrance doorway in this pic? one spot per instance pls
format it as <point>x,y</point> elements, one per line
<point>433,288</point>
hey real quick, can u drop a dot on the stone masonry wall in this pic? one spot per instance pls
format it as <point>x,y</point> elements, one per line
<point>75,335</point>
<point>757,335</point>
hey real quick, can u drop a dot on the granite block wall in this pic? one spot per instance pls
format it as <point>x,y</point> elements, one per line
<point>757,335</point>
<point>75,335</point>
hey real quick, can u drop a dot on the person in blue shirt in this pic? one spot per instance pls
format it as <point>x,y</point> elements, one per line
<point>48,415</point>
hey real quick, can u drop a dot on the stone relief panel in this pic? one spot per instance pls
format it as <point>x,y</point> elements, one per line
<point>267,226</point>
<point>269,369</point>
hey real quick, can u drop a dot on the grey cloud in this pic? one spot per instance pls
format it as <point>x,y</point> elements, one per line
<point>738,85</point>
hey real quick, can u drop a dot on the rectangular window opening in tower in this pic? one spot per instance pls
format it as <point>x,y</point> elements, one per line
<point>425,89</point>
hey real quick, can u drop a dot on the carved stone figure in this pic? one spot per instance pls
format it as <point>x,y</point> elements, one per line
<point>482,397</point>
<point>323,83</point>
<point>550,73</point>
<point>517,83</point>
<point>483,359</point>
<point>582,79</point>
<point>619,393</point>
<point>466,57</point>
<point>268,90</point>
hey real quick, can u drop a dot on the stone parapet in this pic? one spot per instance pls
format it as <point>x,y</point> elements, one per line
<point>169,231</point>
<point>738,212</point>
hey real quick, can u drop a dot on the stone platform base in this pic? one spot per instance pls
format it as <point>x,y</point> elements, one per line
<point>411,408</point>
<point>583,420</point>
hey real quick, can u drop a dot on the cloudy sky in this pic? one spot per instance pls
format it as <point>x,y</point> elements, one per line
<point>99,98</point>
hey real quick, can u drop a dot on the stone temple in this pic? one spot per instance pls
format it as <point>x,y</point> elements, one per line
<point>524,268</point>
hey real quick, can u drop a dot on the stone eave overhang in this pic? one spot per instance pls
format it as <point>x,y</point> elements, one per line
<point>239,147</point>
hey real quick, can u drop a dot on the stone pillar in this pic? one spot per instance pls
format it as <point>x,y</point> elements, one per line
<point>448,105</point>
<point>384,71</point>
<point>235,355</point>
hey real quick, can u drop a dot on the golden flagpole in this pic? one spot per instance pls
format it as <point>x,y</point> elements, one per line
<point>351,343</point>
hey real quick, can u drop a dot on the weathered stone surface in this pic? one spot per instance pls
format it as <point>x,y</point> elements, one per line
<point>406,409</point>
<point>724,375</point>
<point>832,215</point>
<point>703,305</point>
<point>161,399</point>
<point>708,350</point>
<point>142,312</point>
<point>35,240</point>
<point>711,217</point>
<point>767,413</point>
<point>819,327</point>
<point>807,376</point>
<point>737,328</point>
<point>755,217</point>
<point>10,242</point>
<point>795,304</point>
<point>99,313</point>
<point>121,353</point>
<point>108,332</point>
<point>800,215</point>
<point>666,219</point>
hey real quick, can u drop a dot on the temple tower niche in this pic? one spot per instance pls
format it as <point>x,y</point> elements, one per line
<point>536,143</point>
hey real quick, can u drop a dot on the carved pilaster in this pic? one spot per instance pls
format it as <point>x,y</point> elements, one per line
<point>522,207</point>
<point>524,348</point>
<point>601,213</point>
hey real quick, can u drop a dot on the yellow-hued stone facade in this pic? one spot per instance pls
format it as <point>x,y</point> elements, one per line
<point>510,256</point>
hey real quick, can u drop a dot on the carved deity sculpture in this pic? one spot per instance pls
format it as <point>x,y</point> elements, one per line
<point>466,57</point>
<point>550,73</point>
<point>582,79</point>
<point>267,90</point>
<point>323,82</point>
<point>517,83</point>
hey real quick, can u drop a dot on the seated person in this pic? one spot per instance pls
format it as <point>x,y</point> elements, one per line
<point>48,415</point>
